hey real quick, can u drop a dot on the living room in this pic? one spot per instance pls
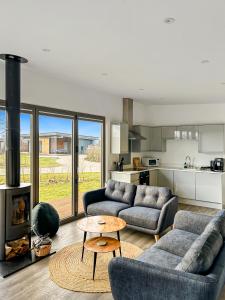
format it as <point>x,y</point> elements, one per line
<point>112,148</point>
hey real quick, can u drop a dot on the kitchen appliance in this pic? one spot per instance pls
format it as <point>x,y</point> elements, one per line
<point>217,165</point>
<point>136,162</point>
<point>144,178</point>
<point>150,162</point>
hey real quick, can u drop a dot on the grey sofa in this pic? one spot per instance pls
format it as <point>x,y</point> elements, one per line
<point>187,263</point>
<point>153,210</point>
<point>109,200</point>
<point>144,208</point>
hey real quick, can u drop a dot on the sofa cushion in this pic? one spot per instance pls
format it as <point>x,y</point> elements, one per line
<point>111,208</point>
<point>120,191</point>
<point>141,216</point>
<point>218,221</point>
<point>160,258</point>
<point>152,196</point>
<point>192,222</point>
<point>200,257</point>
<point>177,242</point>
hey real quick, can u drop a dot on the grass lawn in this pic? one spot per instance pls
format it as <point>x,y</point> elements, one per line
<point>45,162</point>
<point>58,186</point>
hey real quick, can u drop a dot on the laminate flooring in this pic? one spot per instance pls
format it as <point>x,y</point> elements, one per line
<point>34,282</point>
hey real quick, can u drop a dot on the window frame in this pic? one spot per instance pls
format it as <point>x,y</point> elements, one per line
<point>35,111</point>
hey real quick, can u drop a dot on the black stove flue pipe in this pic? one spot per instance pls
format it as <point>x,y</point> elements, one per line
<point>12,97</point>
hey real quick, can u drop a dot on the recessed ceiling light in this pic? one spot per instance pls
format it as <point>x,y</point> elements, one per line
<point>205,61</point>
<point>169,20</point>
<point>104,74</point>
<point>46,50</point>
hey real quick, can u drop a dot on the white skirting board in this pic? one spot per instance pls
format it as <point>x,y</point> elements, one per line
<point>200,203</point>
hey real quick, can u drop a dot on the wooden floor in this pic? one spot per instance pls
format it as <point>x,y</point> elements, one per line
<point>34,283</point>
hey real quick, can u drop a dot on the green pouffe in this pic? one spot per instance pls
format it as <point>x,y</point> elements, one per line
<point>45,219</point>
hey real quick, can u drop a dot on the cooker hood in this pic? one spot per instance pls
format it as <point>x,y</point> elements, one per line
<point>128,118</point>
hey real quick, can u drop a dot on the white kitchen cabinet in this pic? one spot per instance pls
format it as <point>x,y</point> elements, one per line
<point>157,143</point>
<point>188,132</point>
<point>165,178</point>
<point>168,132</point>
<point>153,177</point>
<point>119,138</point>
<point>184,184</point>
<point>142,145</point>
<point>211,138</point>
<point>209,187</point>
<point>125,177</point>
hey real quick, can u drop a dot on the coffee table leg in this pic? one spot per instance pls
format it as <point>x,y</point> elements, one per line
<point>118,237</point>
<point>114,253</point>
<point>95,259</point>
<point>84,239</point>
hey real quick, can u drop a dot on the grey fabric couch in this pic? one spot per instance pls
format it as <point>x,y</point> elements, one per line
<point>187,263</point>
<point>110,200</point>
<point>144,208</point>
<point>153,210</point>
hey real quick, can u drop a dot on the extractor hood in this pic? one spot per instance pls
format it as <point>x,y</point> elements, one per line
<point>128,118</point>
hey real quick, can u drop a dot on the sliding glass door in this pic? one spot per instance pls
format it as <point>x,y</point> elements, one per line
<point>25,146</point>
<point>55,163</point>
<point>62,156</point>
<point>90,157</point>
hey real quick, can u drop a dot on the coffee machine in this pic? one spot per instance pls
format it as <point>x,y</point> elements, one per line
<point>217,165</point>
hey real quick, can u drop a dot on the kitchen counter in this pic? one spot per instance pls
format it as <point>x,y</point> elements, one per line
<point>172,168</point>
<point>192,185</point>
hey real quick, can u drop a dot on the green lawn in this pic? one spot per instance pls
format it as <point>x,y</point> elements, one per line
<point>58,186</point>
<point>45,162</point>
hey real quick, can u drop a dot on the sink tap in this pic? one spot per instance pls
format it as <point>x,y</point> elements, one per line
<point>187,161</point>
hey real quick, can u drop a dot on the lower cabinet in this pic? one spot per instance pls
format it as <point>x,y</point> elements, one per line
<point>209,187</point>
<point>165,178</point>
<point>184,184</point>
<point>153,177</point>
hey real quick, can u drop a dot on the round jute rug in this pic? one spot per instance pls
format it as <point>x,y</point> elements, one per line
<point>67,270</point>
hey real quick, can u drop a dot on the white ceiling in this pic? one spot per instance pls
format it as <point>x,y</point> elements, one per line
<point>128,40</point>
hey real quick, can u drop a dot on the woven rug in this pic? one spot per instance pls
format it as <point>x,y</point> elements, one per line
<point>67,270</point>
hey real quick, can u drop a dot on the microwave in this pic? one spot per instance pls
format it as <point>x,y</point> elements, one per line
<point>150,162</point>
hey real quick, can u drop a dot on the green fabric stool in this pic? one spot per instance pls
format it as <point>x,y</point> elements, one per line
<point>45,219</point>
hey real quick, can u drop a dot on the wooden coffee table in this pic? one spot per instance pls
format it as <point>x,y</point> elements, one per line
<point>92,245</point>
<point>101,225</point>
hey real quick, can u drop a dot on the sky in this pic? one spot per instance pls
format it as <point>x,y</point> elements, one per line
<point>55,124</point>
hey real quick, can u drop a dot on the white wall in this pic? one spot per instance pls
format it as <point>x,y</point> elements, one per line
<point>186,114</point>
<point>42,89</point>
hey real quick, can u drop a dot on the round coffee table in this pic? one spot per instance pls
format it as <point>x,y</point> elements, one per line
<point>111,245</point>
<point>101,224</point>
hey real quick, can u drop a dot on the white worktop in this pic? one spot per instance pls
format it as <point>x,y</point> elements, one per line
<point>173,168</point>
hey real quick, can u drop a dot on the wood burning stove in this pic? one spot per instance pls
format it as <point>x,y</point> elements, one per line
<point>15,198</point>
<point>15,218</point>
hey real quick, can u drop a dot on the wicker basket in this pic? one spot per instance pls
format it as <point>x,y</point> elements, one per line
<point>42,250</point>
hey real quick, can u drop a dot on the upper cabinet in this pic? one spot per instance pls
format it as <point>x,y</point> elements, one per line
<point>168,132</point>
<point>119,138</point>
<point>141,145</point>
<point>156,142</point>
<point>211,139</point>
<point>187,132</point>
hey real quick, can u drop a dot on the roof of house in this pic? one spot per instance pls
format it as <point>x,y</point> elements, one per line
<point>62,135</point>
